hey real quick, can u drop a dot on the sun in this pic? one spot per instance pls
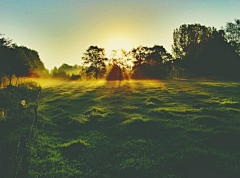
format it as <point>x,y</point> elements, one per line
<point>118,43</point>
<point>117,54</point>
<point>121,58</point>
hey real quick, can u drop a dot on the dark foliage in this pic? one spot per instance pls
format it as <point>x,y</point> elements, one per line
<point>150,62</point>
<point>95,57</point>
<point>204,52</point>
<point>232,31</point>
<point>19,61</point>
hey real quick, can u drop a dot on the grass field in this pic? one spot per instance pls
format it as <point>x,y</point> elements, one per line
<point>138,129</point>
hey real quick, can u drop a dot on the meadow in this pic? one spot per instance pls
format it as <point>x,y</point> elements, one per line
<point>142,128</point>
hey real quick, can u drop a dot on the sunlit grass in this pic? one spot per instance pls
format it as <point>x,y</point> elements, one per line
<point>134,128</point>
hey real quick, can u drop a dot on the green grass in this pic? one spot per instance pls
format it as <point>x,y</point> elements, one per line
<point>138,129</point>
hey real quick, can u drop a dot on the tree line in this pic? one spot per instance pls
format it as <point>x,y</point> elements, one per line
<point>200,51</point>
<point>197,51</point>
<point>19,61</point>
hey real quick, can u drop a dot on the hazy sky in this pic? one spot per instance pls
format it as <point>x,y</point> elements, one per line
<point>62,30</point>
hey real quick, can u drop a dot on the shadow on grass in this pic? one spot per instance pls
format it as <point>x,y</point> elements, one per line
<point>72,150</point>
<point>208,121</point>
<point>130,173</point>
<point>201,165</point>
<point>148,129</point>
<point>227,141</point>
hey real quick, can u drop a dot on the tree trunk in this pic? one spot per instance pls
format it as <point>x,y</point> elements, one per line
<point>96,72</point>
<point>1,81</point>
<point>177,73</point>
<point>120,74</point>
<point>17,80</point>
<point>10,80</point>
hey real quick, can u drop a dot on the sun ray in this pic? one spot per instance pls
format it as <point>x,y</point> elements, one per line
<point>118,43</point>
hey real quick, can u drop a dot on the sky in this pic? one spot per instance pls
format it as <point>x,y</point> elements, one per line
<point>61,31</point>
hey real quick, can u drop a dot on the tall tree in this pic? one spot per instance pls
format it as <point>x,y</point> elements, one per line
<point>187,37</point>
<point>139,54</point>
<point>203,51</point>
<point>150,62</point>
<point>4,50</point>
<point>15,62</point>
<point>95,58</point>
<point>150,55</point>
<point>158,55</point>
<point>59,73</point>
<point>37,66</point>
<point>120,64</point>
<point>4,42</point>
<point>19,60</point>
<point>232,31</point>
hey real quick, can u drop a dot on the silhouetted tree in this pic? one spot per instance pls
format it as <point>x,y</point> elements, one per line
<point>5,45</point>
<point>157,55</point>
<point>36,64</point>
<point>19,61</point>
<point>232,31</point>
<point>176,68</point>
<point>58,73</point>
<point>4,42</point>
<point>204,51</point>
<point>115,73</point>
<point>139,54</point>
<point>95,58</point>
<point>65,67</point>
<point>120,65</point>
<point>68,71</point>
<point>186,38</point>
<point>15,62</point>
<point>23,64</point>
<point>75,77</point>
<point>150,62</point>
